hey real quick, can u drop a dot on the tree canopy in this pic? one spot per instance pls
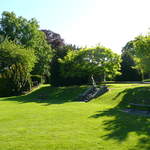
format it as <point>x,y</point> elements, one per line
<point>54,39</point>
<point>26,32</point>
<point>99,61</point>
<point>129,71</point>
<point>26,50</point>
<point>142,50</point>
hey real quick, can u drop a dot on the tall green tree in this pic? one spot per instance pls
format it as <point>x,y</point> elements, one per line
<point>26,32</point>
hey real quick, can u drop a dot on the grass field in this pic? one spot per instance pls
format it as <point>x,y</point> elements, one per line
<point>52,119</point>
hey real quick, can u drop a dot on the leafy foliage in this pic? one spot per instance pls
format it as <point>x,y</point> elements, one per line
<point>142,49</point>
<point>129,48</point>
<point>99,61</point>
<point>16,63</point>
<point>57,79</point>
<point>26,32</point>
<point>129,72</point>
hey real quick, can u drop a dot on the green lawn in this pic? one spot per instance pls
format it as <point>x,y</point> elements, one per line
<point>147,80</point>
<point>52,119</point>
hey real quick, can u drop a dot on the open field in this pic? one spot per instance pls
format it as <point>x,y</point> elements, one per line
<point>52,119</point>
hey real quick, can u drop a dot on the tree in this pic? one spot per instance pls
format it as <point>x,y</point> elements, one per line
<point>129,72</point>
<point>142,51</point>
<point>129,48</point>
<point>139,51</point>
<point>16,63</point>
<point>57,44</point>
<point>98,61</point>
<point>54,39</point>
<point>26,32</point>
<point>56,78</point>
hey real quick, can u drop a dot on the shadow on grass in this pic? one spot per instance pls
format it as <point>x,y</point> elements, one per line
<point>50,95</point>
<point>137,95</point>
<point>121,124</point>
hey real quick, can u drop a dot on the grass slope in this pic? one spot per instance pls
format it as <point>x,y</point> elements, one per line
<point>51,119</point>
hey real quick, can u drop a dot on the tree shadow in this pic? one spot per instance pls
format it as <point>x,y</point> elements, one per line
<point>121,124</point>
<point>137,95</point>
<point>50,95</point>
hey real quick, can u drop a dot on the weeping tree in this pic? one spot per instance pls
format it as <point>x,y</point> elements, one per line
<point>16,63</point>
<point>100,62</point>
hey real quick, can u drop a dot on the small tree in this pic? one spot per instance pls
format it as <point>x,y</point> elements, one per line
<point>16,63</point>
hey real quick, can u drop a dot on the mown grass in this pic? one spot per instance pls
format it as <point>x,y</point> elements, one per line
<point>147,80</point>
<point>51,118</point>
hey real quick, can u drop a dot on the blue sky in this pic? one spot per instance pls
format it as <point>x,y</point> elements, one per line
<point>111,23</point>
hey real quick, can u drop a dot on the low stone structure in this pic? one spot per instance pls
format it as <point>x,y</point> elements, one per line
<point>93,92</point>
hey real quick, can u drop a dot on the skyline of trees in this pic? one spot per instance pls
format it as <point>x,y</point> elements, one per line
<point>60,64</point>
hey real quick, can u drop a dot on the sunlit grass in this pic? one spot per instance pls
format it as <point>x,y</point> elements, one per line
<point>51,118</point>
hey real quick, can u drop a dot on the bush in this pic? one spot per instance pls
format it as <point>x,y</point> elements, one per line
<point>8,87</point>
<point>36,79</point>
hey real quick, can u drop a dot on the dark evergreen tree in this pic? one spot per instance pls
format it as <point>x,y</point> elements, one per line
<point>129,73</point>
<point>128,70</point>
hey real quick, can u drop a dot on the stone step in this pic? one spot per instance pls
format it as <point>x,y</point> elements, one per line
<point>93,92</point>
